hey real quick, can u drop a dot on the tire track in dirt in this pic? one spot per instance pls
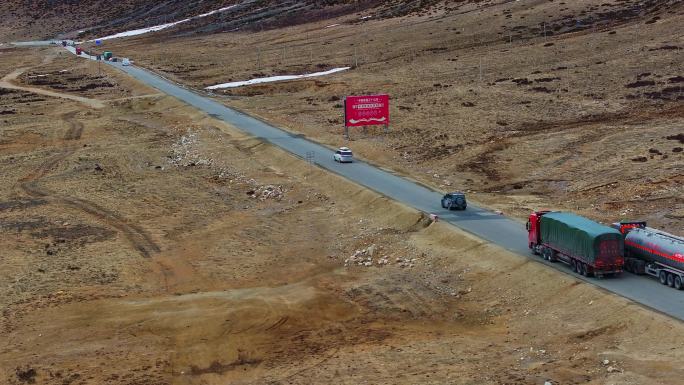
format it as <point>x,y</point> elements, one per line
<point>7,82</point>
<point>75,126</point>
<point>137,236</point>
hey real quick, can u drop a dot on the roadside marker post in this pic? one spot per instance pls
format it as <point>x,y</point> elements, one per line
<point>311,157</point>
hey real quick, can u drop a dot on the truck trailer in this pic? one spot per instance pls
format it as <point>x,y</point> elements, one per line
<point>589,248</point>
<point>653,252</point>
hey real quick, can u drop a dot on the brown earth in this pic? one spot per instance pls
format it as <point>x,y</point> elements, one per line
<point>526,105</point>
<point>90,19</point>
<point>146,243</point>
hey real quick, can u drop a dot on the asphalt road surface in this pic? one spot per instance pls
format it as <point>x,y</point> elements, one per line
<point>485,224</point>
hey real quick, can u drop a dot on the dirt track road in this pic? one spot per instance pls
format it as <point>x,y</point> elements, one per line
<point>137,236</point>
<point>7,82</point>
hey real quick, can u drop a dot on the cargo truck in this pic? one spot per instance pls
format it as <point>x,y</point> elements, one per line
<point>589,248</point>
<point>653,252</point>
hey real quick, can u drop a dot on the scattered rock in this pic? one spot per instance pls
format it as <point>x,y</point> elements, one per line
<point>27,374</point>
<point>267,192</point>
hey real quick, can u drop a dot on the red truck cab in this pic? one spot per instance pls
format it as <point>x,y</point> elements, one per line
<point>79,50</point>
<point>533,233</point>
<point>626,227</point>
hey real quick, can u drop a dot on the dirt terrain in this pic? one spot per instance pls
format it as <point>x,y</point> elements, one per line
<point>90,19</point>
<point>146,243</point>
<point>526,105</point>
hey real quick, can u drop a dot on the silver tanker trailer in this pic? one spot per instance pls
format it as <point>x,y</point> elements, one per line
<point>653,252</point>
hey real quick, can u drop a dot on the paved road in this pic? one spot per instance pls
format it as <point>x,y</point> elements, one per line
<point>36,43</point>
<point>485,224</point>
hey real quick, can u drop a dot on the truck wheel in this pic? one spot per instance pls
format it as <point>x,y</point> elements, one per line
<point>535,249</point>
<point>552,255</point>
<point>582,268</point>
<point>670,280</point>
<point>678,282</point>
<point>573,265</point>
<point>640,267</point>
<point>663,277</point>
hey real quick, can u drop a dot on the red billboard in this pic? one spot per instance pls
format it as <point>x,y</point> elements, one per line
<point>366,110</point>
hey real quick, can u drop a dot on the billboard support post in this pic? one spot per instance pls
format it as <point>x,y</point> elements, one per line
<point>346,127</point>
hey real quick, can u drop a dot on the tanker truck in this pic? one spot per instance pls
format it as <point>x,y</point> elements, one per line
<point>653,252</point>
<point>589,248</point>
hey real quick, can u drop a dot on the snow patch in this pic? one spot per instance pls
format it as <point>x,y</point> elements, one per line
<point>156,28</point>
<point>276,79</point>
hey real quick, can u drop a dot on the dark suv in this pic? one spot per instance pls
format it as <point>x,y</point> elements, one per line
<point>454,200</point>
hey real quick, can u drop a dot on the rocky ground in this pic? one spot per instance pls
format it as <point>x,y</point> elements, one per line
<point>146,243</point>
<point>526,105</point>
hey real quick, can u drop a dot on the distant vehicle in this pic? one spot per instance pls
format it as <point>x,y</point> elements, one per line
<point>107,55</point>
<point>64,43</point>
<point>653,252</point>
<point>591,249</point>
<point>125,61</point>
<point>454,201</point>
<point>79,50</point>
<point>343,155</point>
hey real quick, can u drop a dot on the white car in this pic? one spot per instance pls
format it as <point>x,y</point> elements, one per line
<point>343,155</point>
<point>125,61</point>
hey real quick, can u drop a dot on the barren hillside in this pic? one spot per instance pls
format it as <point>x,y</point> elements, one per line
<point>46,19</point>
<point>530,104</point>
<point>144,242</point>
<point>527,104</point>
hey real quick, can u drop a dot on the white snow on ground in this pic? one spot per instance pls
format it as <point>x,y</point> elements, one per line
<point>156,28</point>
<point>276,79</point>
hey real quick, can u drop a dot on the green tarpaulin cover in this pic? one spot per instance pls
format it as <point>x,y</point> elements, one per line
<point>578,236</point>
